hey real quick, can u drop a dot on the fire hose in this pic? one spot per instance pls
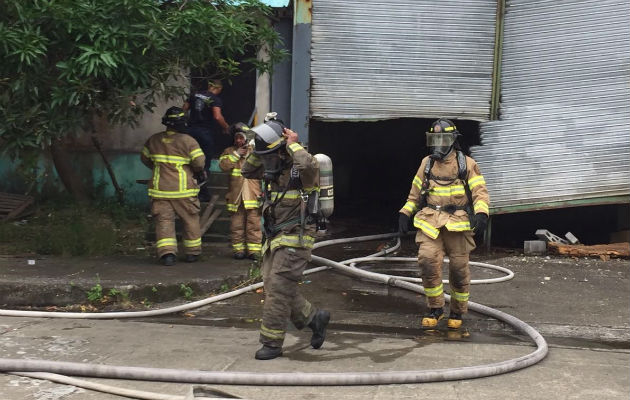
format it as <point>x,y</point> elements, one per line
<point>290,378</point>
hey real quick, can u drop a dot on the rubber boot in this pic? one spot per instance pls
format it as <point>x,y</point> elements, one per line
<point>431,320</point>
<point>239,256</point>
<point>454,320</point>
<point>190,258</point>
<point>268,353</point>
<point>168,259</point>
<point>318,325</point>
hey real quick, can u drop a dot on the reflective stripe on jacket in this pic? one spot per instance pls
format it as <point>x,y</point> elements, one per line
<point>287,210</point>
<point>239,189</point>
<point>446,192</point>
<point>173,157</point>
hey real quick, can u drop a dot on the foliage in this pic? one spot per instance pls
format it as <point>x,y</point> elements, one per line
<point>65,61</point>
<point>254,273</point>
<point>186,291</point>
<point>64,228</point>
<point>95,293</point>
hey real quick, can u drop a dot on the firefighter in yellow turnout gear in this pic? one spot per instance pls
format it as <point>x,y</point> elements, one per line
<point>449,204</point>
<point>242,198</point>
<point>174,158</point>
<point>290,175</point>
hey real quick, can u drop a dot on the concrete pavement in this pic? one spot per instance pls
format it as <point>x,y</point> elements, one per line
<point>580,305</point>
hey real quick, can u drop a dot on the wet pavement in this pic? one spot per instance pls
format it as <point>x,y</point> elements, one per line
<point>580,306</point>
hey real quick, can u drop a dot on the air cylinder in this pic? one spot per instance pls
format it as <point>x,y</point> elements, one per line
<point>326,192</point>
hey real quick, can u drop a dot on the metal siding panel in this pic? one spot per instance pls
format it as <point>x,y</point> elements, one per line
<point>391,59</point>
<point>564,128</point>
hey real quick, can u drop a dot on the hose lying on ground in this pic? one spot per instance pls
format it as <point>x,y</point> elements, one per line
<point>295,378</point>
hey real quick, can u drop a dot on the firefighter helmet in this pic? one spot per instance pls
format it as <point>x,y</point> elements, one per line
<point>240,128</point>
<point>174,118</point>
<point>441,138</point>
<point>269,137</point>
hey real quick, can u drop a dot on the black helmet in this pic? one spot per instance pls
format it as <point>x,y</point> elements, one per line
<point>441,138</point>
<point>174,118</point>
<point>241,129</point>
<point>269,137</point>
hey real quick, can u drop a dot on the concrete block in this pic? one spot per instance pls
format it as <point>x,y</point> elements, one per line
<point>534,247</point>
<point>571,238</point>
<point>544,234</point>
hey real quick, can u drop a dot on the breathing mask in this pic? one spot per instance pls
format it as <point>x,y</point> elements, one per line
<point>441,138</point>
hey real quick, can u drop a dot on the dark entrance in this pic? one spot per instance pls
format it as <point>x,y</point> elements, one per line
<point>374,162</point>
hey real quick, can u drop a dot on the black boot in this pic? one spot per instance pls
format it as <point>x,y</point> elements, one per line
<point>318,325</point>
<point>168,259</point>
<point>191,258</point>
<point>268,353</point>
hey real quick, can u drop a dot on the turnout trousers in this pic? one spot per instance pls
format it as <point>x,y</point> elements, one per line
<point>164,212</point>
<point>457,245</point>
<point>245,230</point>
<point>282,270</point>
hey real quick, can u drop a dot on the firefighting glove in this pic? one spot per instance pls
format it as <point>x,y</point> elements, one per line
<point>403,224</point>
<point>201,177</point>
<point>481,223</point>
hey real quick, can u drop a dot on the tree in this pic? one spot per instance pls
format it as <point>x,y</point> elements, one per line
<point>66,61</point>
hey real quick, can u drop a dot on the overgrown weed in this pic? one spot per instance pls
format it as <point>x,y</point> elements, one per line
<point>63,227</point>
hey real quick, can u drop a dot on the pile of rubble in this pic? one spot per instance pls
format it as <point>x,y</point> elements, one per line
<point>571,246</point>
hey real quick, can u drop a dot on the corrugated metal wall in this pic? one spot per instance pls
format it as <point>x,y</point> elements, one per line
<point>564,128</point>
<point>384,59</point>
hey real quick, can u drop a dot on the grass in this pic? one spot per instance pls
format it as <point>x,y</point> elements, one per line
<point>67,229</point>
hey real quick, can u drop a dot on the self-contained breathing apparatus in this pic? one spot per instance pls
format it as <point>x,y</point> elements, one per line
<point>316,205</point>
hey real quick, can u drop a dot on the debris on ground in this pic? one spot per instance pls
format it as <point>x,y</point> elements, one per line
<point>14,205</point>
<point>604,251</point>
<point>544,234</point>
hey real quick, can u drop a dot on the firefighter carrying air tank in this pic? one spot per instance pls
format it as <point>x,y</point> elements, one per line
<point>291,182</point>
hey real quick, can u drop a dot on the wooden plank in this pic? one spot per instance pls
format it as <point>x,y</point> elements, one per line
<point>205,215</point>
<point>12,208</point>
<point>208,223</point>
<point>599,250</point>
<point>12,196</point>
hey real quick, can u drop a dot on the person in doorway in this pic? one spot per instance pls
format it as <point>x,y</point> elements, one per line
<point>205,121</point>
<point>449,204</point>
<point>290,174</point>
<point>174,158</point>
<point>242,198</point>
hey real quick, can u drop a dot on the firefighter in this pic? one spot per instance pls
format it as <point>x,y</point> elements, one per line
<point>290,174</point>
<point>242,199</point>
<point>174,158</point>
<point>449,204</point>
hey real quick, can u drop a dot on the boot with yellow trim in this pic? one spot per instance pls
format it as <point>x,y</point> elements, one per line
<point>454,320</point>
<point>431,320</point>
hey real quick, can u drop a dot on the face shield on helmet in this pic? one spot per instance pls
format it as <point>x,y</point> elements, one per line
<point>441,138</point>
<point>268,142</point>
<point>268,137</point>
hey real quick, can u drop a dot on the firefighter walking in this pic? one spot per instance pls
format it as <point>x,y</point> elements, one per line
<point>174,158</point>
<point>449,204</point>
<point>290,176</point>
<point>242,198</point>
